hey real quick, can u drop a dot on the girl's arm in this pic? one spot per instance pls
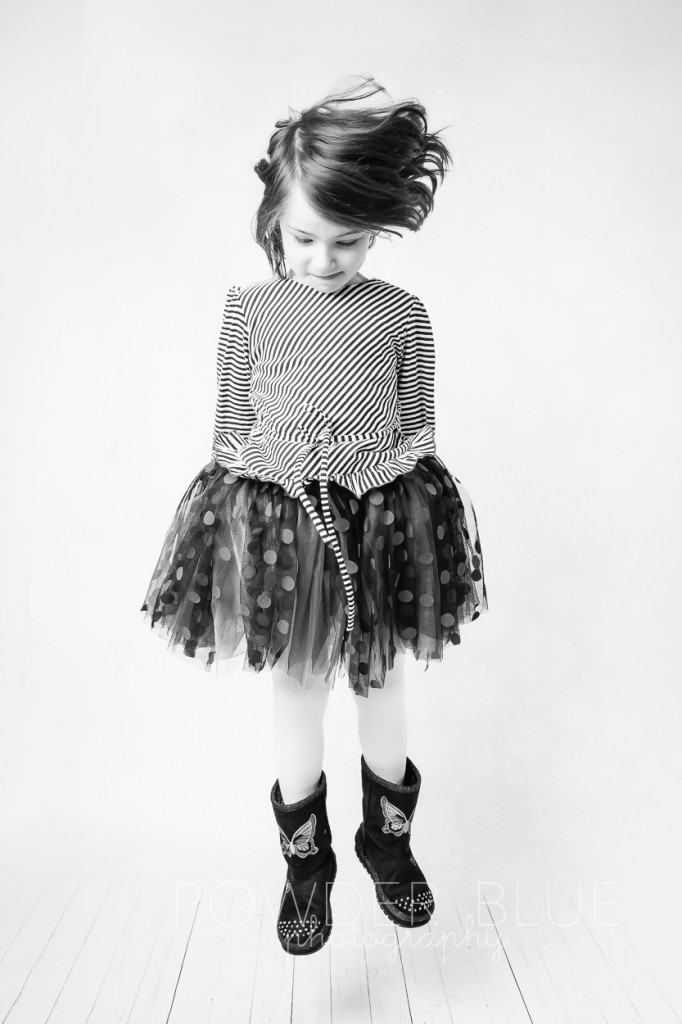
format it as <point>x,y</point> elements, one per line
<point>416,372</point>
<point>234,414</point>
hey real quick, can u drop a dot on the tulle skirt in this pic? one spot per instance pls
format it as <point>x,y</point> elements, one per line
<point>243,570</point>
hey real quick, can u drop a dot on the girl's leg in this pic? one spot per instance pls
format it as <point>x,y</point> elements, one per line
<point>382,725</point>
<point>298,734</point>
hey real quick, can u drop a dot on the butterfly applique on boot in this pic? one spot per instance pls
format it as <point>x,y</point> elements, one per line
<point>382,844</point>
<point>304,922</point>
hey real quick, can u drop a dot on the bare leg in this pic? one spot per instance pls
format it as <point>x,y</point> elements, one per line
<point>382,725</point>
<point>298,734</point>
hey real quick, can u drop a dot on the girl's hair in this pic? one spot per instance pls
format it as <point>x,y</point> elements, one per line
<point>360,167</point>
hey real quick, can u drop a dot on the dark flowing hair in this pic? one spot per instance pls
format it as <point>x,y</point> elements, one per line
<point>371,169</point>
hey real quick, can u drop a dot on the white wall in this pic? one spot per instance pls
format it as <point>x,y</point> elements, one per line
<point>549,739</point>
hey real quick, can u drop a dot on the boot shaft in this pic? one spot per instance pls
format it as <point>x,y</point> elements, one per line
<point>388,808</point>
<point>304,831</point>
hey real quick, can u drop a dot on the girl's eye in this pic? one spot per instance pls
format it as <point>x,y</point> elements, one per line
<point>345,245</point>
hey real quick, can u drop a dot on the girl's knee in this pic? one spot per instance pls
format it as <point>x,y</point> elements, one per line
<point>394,685</point>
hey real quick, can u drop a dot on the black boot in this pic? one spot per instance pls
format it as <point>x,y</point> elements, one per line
<point>382,844</point>
<point>305,918</point>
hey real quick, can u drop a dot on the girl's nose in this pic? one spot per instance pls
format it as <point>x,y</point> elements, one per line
<point>324,262</point>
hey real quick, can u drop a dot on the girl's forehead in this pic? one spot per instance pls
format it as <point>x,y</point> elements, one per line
<point>299,214</point>
<point>297,201</point>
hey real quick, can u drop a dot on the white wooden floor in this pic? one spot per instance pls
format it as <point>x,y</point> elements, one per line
<point>146,953</point>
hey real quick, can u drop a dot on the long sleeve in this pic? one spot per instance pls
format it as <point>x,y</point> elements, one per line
<point>416,373</point>
<point>234,415</point>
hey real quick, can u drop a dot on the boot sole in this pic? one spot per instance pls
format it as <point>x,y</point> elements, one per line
<point>394,915</point>
<point>321,937</point>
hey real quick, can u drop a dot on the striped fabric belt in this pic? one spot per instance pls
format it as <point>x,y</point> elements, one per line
<point>324,438</point>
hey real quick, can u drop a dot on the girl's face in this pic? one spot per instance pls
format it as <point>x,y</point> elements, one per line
<point>321,254</point>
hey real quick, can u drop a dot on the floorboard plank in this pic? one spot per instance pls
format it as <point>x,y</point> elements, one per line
<point>614,1001</point>
<point>274,974</point>
<point>312,996</point>
<point>121,984</point>
<point>201,966</point>
<point>162,973</point>
<point>8,893</point>
<point>350,989</point>
<point>660,952</point>
<point>423,977</point>
<point>572,988</point>
<point>385,975</point>
<point>460,980</point>
<point>17,909</point>
<point>86,978</point>
<point>500,990</point>
<point>545,1004</point>
<point>629,968</point>
<point>239,939</point>
<point>33,936</point>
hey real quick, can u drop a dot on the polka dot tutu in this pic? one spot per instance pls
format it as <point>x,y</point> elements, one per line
<point>244,571</point>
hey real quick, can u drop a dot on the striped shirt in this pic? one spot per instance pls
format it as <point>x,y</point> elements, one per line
<point>324,386</point>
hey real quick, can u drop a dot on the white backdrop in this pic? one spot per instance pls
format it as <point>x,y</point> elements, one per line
<point>549,740</point>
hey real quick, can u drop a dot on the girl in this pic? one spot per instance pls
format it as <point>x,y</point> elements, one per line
<point>325,535</point>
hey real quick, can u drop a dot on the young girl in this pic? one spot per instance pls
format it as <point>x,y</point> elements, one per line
<point>325,535</point>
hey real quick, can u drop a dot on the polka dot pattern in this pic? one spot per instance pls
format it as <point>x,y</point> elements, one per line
<point>243,572</point>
